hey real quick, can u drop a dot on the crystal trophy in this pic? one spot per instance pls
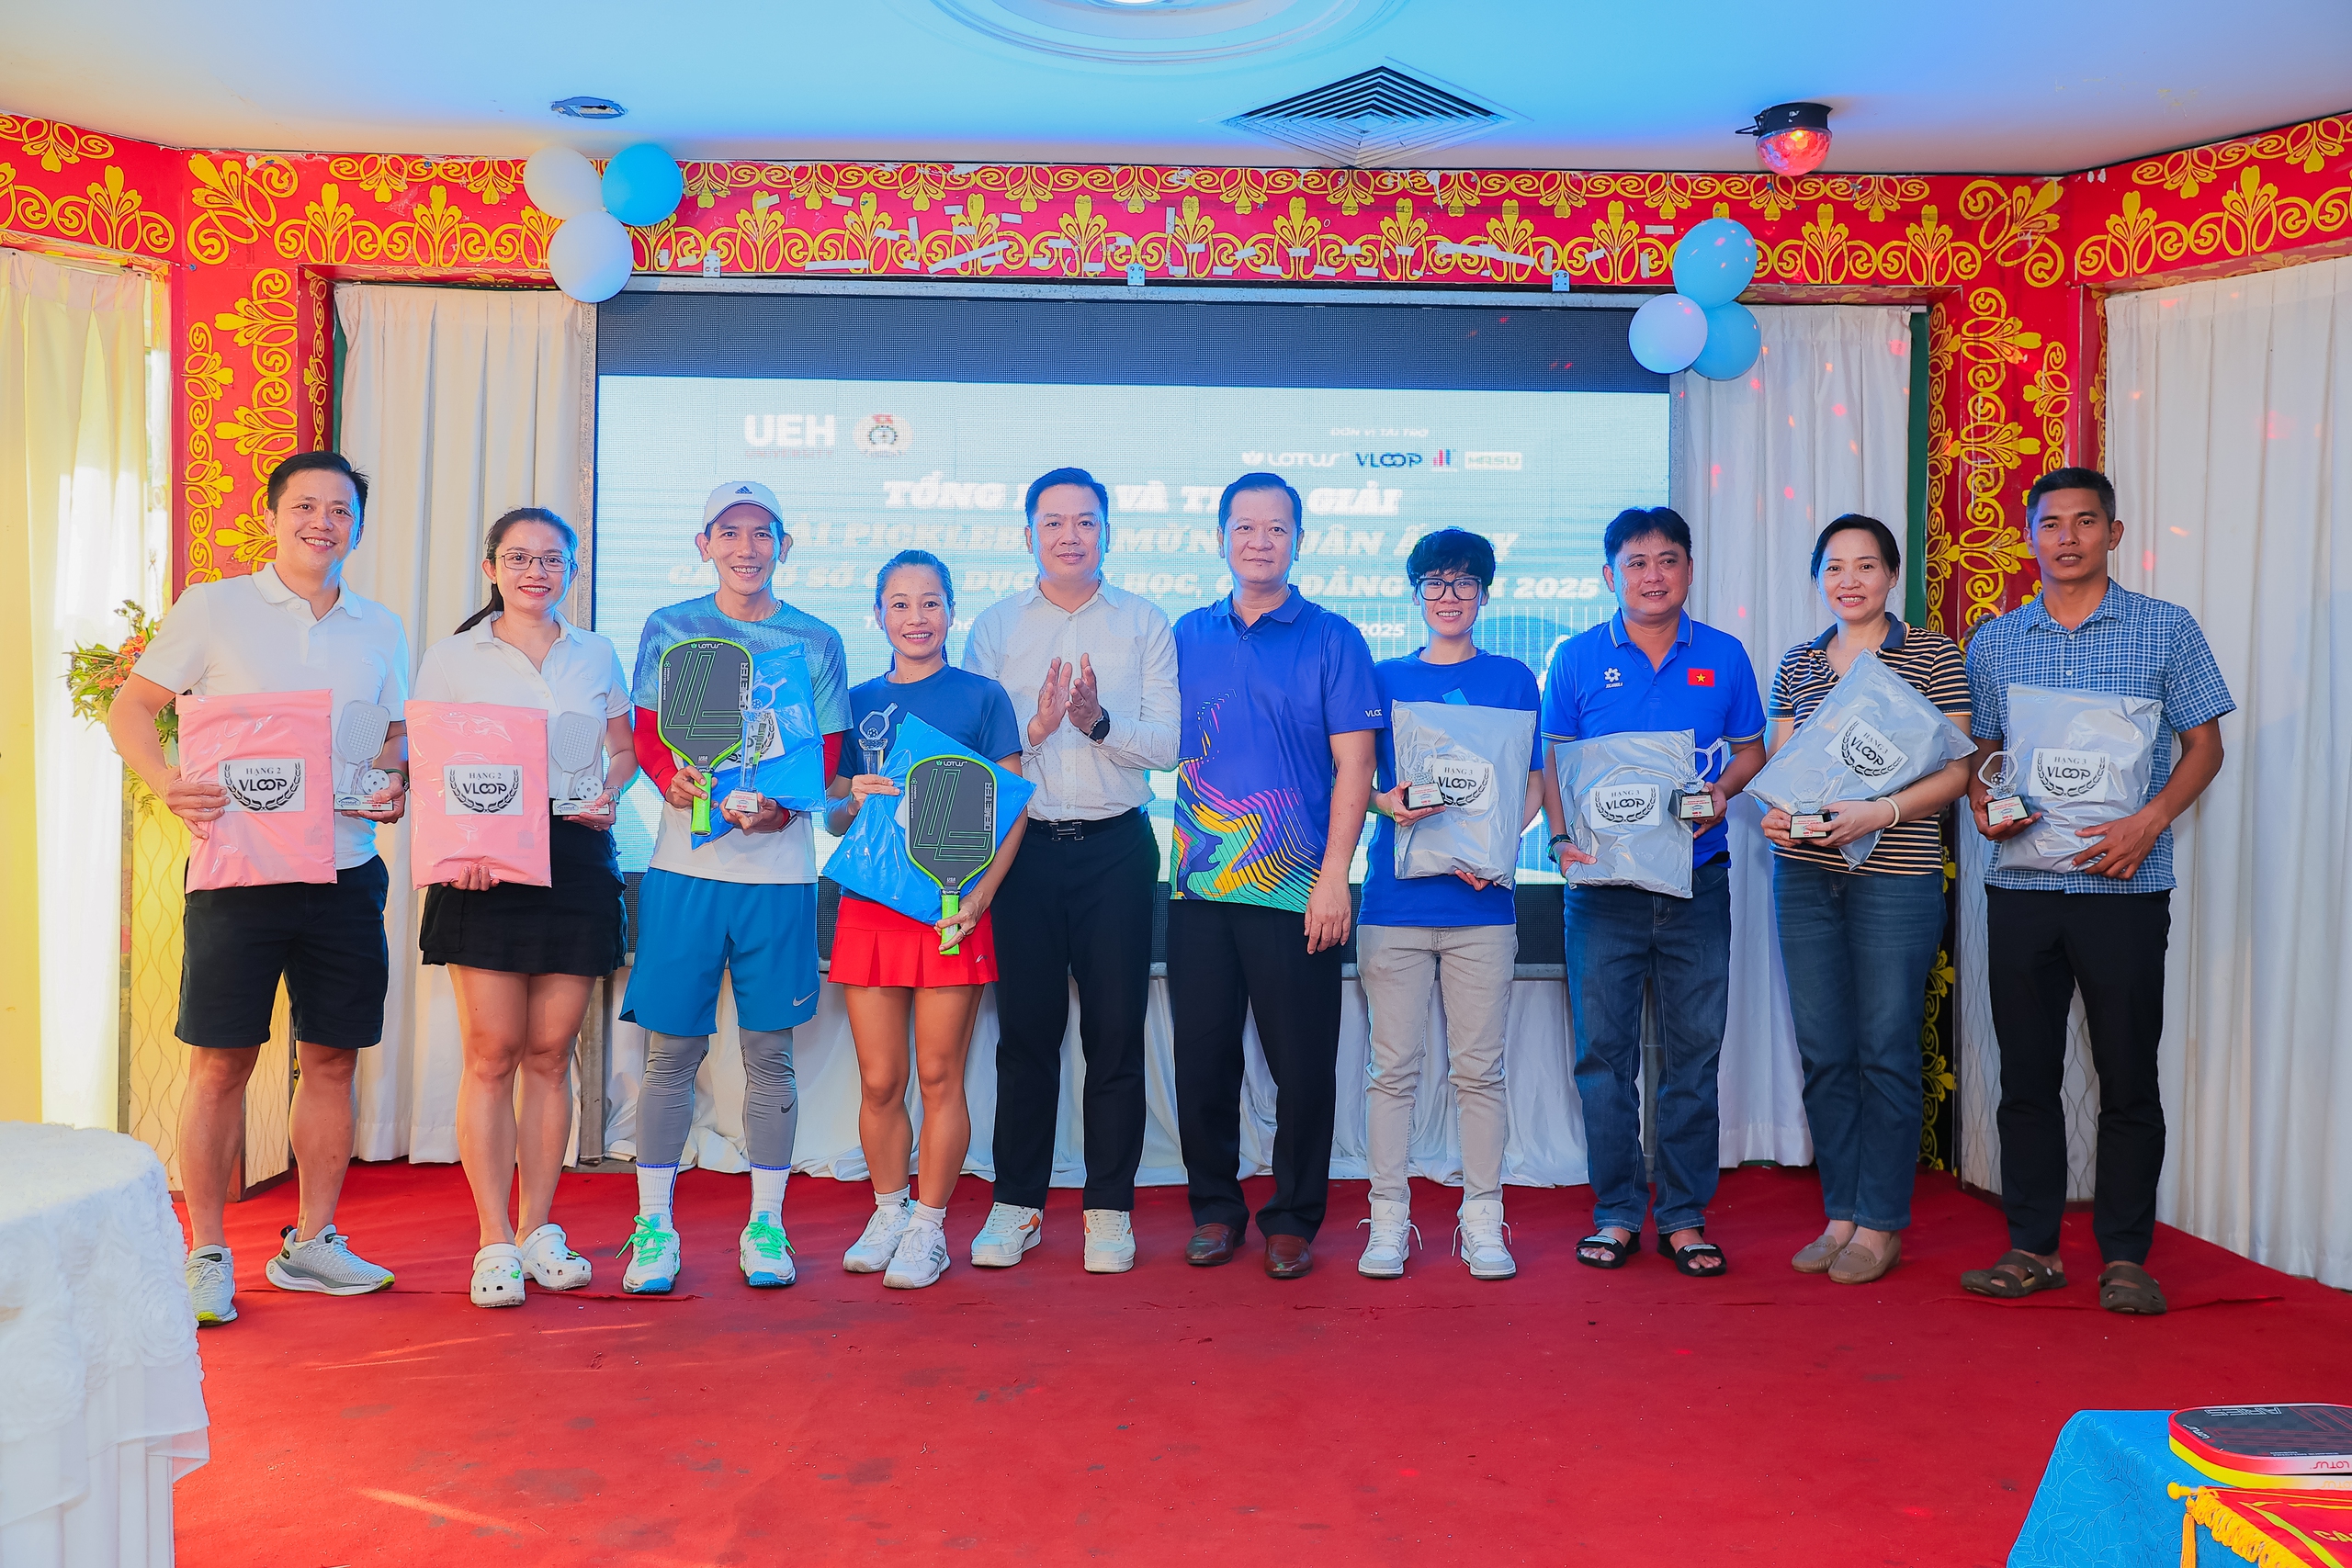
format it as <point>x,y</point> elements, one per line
<point>1694,804</point>
<point>759,735</point>
<point>358,740</point>
<point>1999,776</point>
<point>574,743</point>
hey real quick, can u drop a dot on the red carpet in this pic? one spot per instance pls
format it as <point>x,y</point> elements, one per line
<point>1042,1415</point>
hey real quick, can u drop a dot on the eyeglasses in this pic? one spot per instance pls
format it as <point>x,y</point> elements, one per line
<point>519,561</point>
<point>1436,588</point>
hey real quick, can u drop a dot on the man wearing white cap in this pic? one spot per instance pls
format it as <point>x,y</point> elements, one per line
<point>743,904</point>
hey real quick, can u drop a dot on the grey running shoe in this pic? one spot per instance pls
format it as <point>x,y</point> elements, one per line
<point>212,1286</point>
<point>325,1264</point>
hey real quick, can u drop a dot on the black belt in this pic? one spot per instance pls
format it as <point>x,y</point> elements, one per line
<point>1084,830</point>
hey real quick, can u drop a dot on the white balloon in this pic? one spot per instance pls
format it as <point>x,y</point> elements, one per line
<point>1667,333</point>
<point>590,256</point>
<point>562,184</point>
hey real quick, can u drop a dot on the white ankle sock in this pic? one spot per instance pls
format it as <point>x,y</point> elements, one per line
<point>767,1188</point>
<point>924,1215</point>
<point>891,1200</point>
<point>654,1185</point>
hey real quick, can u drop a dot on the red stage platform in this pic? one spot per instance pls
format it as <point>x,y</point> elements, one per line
<point>1043,1415</point>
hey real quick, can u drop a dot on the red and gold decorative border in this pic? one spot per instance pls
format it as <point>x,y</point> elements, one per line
<point>2010,267</point>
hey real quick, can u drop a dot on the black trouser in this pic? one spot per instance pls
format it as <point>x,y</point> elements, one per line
<point>1073,908</point>
<point>1226,962</point>
<point>2040,947</point>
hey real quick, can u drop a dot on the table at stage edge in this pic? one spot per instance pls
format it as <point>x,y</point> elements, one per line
<point>104,1400</point>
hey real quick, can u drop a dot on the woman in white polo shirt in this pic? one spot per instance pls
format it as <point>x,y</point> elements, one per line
<point>521,959</point>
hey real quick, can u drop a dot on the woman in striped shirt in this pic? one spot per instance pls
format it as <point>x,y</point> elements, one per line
<point>1856,942</point>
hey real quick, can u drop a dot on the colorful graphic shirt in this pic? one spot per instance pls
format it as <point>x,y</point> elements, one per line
<point>1258,705</point>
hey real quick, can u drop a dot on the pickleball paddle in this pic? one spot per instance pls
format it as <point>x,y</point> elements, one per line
<point>705,684</point>
<point>951,826</point>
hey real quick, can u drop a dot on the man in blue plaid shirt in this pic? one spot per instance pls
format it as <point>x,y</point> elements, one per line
<point>2102,925</point>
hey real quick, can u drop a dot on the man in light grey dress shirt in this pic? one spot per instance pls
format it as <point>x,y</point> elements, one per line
<point>1094,667</point>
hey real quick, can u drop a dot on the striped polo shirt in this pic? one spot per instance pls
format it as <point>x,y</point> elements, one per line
<point>1931,662</point>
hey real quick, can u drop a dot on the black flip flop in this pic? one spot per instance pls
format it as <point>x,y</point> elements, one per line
<point>1620,1252</point>
<point>1685,1259</point>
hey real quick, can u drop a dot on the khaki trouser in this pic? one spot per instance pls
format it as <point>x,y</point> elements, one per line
<point>1472,966</point>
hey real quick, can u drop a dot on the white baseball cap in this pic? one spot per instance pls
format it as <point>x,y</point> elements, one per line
<point>741,492</point>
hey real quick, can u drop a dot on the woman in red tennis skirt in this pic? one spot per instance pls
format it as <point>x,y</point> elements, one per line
<point>890,967</point>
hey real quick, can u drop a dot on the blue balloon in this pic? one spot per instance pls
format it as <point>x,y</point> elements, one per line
<point>1667,334</point>
<point>643,185</point>
<point>1711,264</point>
<point>1733,340</point>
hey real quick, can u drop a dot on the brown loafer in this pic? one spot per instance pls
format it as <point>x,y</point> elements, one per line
<point>1210,1246</point>
<point>1857,1265</point>
<point>1818,1254</point>
<point>1288,1256</point>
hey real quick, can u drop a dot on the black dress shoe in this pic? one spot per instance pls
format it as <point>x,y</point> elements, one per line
<point>1288,1256</point>
<point>1210,1246</point>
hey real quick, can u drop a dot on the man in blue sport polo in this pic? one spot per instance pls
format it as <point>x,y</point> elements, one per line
<point>1277,706</point>
<point>1651,667</point>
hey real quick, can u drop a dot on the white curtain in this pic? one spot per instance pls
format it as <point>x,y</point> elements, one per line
<point>1819,427</point>
<point>458,403</point>
<point>2230,426</point>
<point>73,450</point>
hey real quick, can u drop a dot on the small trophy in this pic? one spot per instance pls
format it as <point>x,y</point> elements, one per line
<point>1809,824</point>
<point>759,734</point>
<point>575,741</point>
<point>1423,796</point>
<point>1999,775</point>
<point>1693,803</point>
<point>358,738</point>
<point>874,738</point>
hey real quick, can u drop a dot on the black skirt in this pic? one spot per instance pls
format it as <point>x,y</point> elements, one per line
<point>571,928</point>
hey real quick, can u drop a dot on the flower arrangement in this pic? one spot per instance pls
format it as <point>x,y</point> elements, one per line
<point>94,672</point>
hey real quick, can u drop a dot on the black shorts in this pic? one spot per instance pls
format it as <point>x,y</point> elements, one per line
<point>326,939</point>
<point>571,928</point>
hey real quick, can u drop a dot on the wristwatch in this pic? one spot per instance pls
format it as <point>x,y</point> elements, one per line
<point>1101,728</point>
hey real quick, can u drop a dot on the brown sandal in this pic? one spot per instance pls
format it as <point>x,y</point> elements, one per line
<point>2032,1277</point>
<point>2128,1287</point>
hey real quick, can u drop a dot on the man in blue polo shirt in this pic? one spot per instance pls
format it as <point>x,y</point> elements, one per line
<point>1651,667</point>
<point>2103,926</point>
<point>1277,706</point>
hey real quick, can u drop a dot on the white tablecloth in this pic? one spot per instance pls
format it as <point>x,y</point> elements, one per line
<point>101,1395</point>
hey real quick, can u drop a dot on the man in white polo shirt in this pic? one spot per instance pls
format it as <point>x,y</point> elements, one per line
<point>292,627</point>
<point>1095,668</point>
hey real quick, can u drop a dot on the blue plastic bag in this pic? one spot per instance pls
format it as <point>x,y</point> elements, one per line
<point>791,768</point>
<point>872,860</point>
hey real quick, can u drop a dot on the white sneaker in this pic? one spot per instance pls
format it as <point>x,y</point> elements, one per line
<point>921,1259</point>
<point>654,1257</point>
<point>325,1264</point>
<point>549,1259</point>
<point>1480,1240</point>
<point>872,1252</point>
<point>1393,1235</point>
<point>498,1275</point>
<point>1012,1229</point>
<point>212,1286</point>
<point>764,1253</point>
<point>1110,1241</point>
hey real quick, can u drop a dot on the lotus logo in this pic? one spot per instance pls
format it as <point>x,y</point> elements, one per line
<point>1867,752</point>
<point>482,789</point>
<point>2064,775</point>
<point>264,784</point>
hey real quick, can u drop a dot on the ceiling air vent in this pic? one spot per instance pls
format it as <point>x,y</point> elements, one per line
<point>1374,118</point>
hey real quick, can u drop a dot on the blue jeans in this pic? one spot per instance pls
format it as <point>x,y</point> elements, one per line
<point>1857,950</point>
<point>1616,938</point>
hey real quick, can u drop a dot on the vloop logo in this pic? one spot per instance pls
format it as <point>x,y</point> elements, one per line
<point>1388,459</point>
<point>1463,780</point>
<point>1867,752</point>
<point>2063,776</point>
<point>482,789</point>
<point>263,784</point>
<point>1614,808</point>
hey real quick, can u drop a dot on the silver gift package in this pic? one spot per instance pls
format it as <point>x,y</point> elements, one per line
<point>2082,758</point>
<point>1872,735</point>
<point>1619,791</point>
<point>1478,759</point>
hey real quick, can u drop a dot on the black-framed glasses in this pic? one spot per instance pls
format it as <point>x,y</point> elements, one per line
<point>522,561</point>
<point>1436,588</point>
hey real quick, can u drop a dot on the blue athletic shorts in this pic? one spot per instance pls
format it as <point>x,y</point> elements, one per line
<point>690,928</point>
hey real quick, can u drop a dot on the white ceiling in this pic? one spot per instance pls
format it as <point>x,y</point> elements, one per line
<point>2022,85</point>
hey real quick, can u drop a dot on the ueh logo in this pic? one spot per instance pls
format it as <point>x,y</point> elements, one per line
<point>2064,775</point>
<point>263,784</point>
<point>1868,752</point>
<point>1616,807</point>
<point>482,789</point>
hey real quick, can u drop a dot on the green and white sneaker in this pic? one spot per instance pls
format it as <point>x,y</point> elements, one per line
<point>325,1265</point>
<point>653,1257</point>
<point>212,1286</point>
<point>764,1253</point>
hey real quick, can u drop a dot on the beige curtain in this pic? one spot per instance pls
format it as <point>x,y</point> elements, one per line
<point>82,537</point>
<point>458,403</point>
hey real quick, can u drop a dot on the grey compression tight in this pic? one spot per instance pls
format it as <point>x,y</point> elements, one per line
<point>665,1105</point>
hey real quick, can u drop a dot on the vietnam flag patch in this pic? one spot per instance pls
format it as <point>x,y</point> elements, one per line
<point>1702,677</point>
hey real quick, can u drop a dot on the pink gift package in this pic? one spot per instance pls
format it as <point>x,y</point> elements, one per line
<point>477,791</point>
<point>269,751</point>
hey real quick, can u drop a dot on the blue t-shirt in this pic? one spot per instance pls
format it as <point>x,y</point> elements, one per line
<point>1601,682</point>
<point>1486,681</point>
<point>1257,706</point>
<point>966,707</point>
